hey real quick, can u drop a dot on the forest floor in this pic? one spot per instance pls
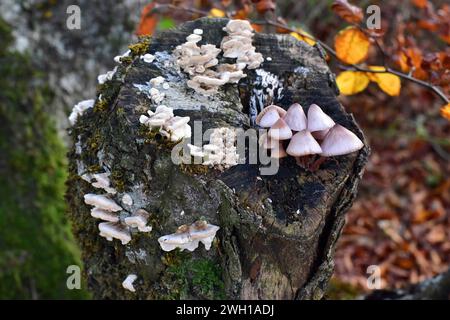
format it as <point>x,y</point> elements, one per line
<point>401,218</point>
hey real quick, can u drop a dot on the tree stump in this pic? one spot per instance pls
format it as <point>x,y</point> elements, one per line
<point>277,233</point>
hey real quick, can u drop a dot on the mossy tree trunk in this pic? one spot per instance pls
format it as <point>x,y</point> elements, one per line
<point>36,245</point>
<point>278,232</point>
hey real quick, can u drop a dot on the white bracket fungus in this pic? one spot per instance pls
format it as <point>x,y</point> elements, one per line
<point>111,230</point>
<point>104,215</point>
<point>127,200</point>
<point>79,109</point>
<point>102,182</point>
<point>202,65</point>
<point>128,282</point>
<point>102,78</point>
<point>148,58</point>
<point>238,44</point>
<point>139,220</point>
<point>173,127</point>
<point>188,237</point>
<point>220,151</point>
<point>124,55</point>
<point>102,202</point>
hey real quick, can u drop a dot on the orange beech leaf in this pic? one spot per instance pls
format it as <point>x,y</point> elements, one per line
<point>148,22</point>
<point>347,11</point>
<point>242,13</point>
<point>216,13</point>
<point>262,6</point>
<point>257,27</point>
<point>389,83</point>
<point>352,82</point>
<point>420,3</point>
<point>352,45</point>
<point>445,111</point>
<point>299,36</point>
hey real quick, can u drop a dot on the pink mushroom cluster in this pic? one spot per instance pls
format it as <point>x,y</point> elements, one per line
<point>304,133</point>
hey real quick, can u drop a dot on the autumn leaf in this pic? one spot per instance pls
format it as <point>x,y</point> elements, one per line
<point>347,11</point>
<point>420,3</point>
<point>262,6</point>
<point>445,111</point>
<point>352,45</point>
<point>352,82</point>
<point>300,36</point>
<point>388,82</point>
<point>148,22</point>
<point>216,13</point>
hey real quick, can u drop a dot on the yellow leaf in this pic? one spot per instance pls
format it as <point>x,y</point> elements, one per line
<point>352,45</point>
<point>445,111</point>
<point>300,37</point>
<point>351,82</point>
<point>216,13</point>
<point>388,82</point>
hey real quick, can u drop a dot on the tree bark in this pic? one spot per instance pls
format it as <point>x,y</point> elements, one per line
<point>277,233</point>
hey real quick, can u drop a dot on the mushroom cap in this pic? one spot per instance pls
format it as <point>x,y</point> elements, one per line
<point>278,152</point>
<point>101,202</point>
<point>280,130</point>
<point>320,135</point>
<point>340,141</point>
<point>269,115</point>
<point>104,215</point>
<point>302,144</point>
<point>318,120</point>
<point>111,230</point>
<point>295,117</point>
<point>266,142</point>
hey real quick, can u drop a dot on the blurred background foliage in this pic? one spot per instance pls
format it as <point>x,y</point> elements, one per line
<point>400,221</point>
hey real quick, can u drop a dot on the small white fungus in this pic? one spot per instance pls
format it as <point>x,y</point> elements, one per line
<point>128,282</point>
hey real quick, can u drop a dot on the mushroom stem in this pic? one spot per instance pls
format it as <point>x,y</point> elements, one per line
<point>305,161</point>
<point>316,164</point>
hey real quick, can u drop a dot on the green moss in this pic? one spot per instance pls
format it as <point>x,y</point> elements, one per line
<point>101,105</point>
<point>36,245</point>
<point>141,47</point>
<point>117,179</point>
<point>184,275</point>
<point>338,290</point>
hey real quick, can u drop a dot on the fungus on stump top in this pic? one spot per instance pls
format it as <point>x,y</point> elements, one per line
<point>277,232</point>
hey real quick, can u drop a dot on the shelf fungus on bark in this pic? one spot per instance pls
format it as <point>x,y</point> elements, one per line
<point>220,152</point>
<point>173,127</point>
<point>104,215</point>
<point>100,181</point>
<point>202,63</point>
<point>139,220</point>
<point>101,202</point>
<point>128,282</point>
<point>79,109</point>
<point>111,230</point>
<point>102,78</point>
<point>238,44</point>
<point>337,140</point>
<point>189,237</point>
<point>148,58</point>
